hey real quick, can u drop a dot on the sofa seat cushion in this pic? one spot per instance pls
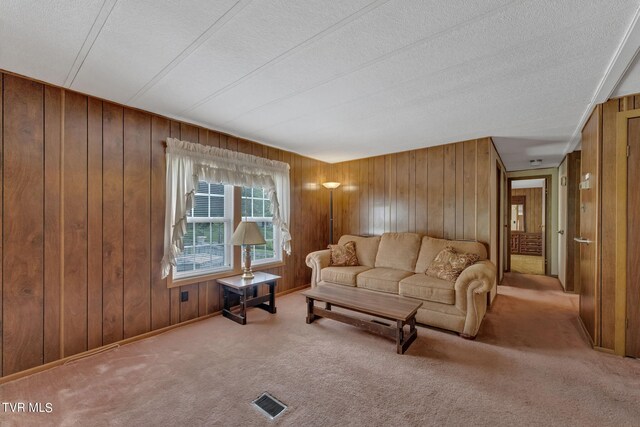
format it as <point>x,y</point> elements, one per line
<point>382,279</point>
<point>427,288</point>
<point>342,275</point>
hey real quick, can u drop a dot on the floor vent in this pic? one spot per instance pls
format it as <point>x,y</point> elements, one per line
<point>269,405</point>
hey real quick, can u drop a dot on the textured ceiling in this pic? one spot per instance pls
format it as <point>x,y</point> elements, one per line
<point>334,80</point>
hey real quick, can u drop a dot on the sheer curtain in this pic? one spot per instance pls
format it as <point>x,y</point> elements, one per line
<point>189,163</point>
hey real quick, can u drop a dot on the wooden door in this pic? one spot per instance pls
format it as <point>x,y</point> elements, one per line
<point>633,239</point>
<point>591,141</point>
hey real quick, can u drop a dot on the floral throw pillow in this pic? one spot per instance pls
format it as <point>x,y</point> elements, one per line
<point>449,264</point>
<point>343,255</point>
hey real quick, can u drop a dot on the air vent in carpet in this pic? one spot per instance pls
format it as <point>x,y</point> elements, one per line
<point>269,405</point>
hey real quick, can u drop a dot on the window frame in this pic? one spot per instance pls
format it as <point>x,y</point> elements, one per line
<point>277,252</point>
<point>236,253</point>
<point>228,221</point>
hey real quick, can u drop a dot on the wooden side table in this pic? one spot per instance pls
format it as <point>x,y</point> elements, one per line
<point>248,292</point>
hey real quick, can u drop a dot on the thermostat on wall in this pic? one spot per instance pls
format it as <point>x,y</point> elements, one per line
<point>585,184</point>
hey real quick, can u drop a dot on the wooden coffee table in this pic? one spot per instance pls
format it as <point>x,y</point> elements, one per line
<point>400,310</point>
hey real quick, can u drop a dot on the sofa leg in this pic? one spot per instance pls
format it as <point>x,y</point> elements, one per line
<point>468,337</point>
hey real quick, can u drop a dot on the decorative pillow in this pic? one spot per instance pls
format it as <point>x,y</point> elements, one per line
<point>343,255</point>
<point>449,264</point>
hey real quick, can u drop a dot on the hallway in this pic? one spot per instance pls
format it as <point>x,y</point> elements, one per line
<point>527,264</point>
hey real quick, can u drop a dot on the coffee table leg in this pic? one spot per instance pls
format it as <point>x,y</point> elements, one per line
<point>310,316</point>
<point>405,341</point>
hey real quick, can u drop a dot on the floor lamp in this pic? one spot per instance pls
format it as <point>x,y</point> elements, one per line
<point>331,186</point>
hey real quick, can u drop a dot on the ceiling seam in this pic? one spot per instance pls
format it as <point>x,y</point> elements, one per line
<point>90,39</point>
<point>432,98</point>
<point>289,52</point>
<point>620,62</point>
<point>378,59</point>
<point>410,81</point>
<point>202,38</point>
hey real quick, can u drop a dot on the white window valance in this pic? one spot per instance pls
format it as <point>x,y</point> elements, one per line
<point>189,163</point>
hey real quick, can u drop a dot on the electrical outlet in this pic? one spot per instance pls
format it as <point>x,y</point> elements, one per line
<point>184,296</point>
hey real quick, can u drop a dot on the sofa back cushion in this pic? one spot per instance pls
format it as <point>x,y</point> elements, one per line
<point>398,250</point>
<point>366,248</point>
<point>432,247</point>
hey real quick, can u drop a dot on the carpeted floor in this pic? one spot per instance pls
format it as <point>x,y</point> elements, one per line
<point>530,365</point>
<point>527,264</point>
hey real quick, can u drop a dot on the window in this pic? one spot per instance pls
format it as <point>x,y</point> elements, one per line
<point>209,229</point>
<point>257,207</point>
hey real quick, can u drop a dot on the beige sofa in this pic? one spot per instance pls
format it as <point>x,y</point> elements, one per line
<point>395,263</point>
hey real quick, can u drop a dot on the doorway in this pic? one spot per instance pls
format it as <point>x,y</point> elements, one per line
<point>529,214</point>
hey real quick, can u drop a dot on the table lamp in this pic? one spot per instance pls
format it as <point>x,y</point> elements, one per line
<point>247,234</point>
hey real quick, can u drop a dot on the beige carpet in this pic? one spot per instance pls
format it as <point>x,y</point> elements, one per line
<point>530,365</point>
<point>527,264</point>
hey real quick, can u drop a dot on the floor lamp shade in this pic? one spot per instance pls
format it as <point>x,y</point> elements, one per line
<point>247,234</point>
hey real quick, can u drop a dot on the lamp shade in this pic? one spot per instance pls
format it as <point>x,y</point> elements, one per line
<point>247,233</point>
<point>331,185</point>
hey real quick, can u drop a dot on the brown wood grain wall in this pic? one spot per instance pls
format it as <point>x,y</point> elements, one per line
<point>590,292</point>
<point>608,216</point>
<point>442,191</point>
<point>83,222</point>
<point>533,208</point>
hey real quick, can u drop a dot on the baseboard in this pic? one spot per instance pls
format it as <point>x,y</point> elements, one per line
<point>585,332</point>
<point>604,350</point>
<point>117,344</point>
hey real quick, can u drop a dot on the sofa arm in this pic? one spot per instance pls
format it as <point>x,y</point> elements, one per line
<point>471,288</point>
<point>482,274</point>
<point>317,261</point>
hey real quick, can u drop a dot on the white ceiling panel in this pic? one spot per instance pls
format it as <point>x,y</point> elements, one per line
<point>340,80</point>
<point>365,43</point>
<point>463,71</point>
<point>140,39</point>
<point>263,32</point>
<point>41,39</point>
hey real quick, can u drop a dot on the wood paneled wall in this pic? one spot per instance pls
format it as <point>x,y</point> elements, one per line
<point>83,218</point>
<point>599,301</point>
<point>533,208</point>
<point>442,191</point>
<point>607,286</point>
